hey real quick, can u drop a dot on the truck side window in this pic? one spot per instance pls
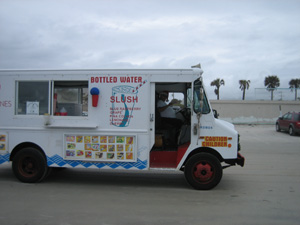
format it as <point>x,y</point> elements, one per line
<point>32,97</point>
<point>203,107</point>
<point>70,98</point>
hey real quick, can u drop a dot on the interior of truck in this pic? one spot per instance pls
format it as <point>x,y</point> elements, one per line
<point>70,98</point>
<point>171,139</point>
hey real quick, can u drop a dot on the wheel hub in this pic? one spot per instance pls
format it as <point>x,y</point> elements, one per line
<point>203,171</point>
<point>28,167</point>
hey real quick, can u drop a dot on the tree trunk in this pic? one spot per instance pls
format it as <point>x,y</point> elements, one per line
<point>272,95</point>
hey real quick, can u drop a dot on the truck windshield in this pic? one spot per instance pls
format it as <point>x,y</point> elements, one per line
<point>200,105</point>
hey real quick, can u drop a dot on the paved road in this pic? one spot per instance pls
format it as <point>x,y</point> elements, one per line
<point>265,191</point>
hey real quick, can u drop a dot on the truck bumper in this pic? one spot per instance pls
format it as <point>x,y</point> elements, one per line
<point>240,160</point>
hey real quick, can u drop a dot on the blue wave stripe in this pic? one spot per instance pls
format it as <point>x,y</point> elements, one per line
<point>4,158</point>
<point>56,159</point>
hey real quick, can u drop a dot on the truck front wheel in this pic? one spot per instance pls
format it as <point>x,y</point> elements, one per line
<point>29,165</point>
<point>203,171</point>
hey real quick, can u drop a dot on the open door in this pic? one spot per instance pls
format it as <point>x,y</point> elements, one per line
<point>152,114</point>
<point>171,137</point>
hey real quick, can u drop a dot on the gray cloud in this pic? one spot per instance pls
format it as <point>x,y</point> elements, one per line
<point>233,40</point>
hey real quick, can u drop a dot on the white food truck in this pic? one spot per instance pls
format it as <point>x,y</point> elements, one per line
<point>112,119</point>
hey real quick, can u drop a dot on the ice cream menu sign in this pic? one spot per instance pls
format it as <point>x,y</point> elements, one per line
<point>99,147</point>
<point>3,143</point>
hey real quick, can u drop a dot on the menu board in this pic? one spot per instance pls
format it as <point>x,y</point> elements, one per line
<point>99,147</point>
<point>3,143</point>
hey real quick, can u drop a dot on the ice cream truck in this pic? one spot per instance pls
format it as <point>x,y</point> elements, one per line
<point>111,119</point>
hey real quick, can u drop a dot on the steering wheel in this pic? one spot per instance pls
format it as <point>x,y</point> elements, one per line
<point>185,112</point>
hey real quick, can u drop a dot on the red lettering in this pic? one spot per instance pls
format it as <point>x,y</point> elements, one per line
<point>112,99</point>
<point>110,79</point>
<point>6,104</point>
<point>127,99</point>
<point>131,79</point>
<point>104,79</point>
<point>135,99</point>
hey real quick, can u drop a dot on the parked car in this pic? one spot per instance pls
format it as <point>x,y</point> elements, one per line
<point>289,122</point>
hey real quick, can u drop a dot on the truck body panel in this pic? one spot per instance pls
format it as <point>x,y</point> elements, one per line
<point>108,118</point>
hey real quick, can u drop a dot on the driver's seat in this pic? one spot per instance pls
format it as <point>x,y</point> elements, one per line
<point>162,130</point>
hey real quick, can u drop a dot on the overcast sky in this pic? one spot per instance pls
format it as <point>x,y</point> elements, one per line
<point>232,40</point>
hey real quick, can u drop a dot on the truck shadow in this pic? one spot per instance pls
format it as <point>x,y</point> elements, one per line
<point>116,178</point>
<point>158,179</point>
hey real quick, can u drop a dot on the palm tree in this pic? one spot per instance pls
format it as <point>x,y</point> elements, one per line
<point>217,82</point>
<point>272,82</point>
<point>294,84</point>
<point>244,84</point>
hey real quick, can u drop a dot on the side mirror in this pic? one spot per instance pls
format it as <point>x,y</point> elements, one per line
<point>216,114</point>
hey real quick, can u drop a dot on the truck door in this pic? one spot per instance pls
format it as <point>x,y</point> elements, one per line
<point>152,114</point>
<point>201,116</point>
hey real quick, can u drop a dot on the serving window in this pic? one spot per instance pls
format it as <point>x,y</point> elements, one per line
<point>70,98</point>
<point>32,97</point>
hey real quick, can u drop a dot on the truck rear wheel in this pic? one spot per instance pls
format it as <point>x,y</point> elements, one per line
<point>29,165</point>
<point>203,171</point>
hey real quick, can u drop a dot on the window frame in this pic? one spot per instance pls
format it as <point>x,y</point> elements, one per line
<point>81,98</point>
<point>17,91</point>
<point>205,101</point>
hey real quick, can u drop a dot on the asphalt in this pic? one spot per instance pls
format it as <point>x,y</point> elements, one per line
<point>265,191</point>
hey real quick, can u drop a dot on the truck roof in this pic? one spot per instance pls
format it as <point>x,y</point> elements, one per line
<point>156,74</point>
<point>95,70</point>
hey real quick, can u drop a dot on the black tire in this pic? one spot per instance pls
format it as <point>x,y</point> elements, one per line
<point>29,165</point>
<point>291,130</point>
<point>277,127</point>
<point>203,171</point>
